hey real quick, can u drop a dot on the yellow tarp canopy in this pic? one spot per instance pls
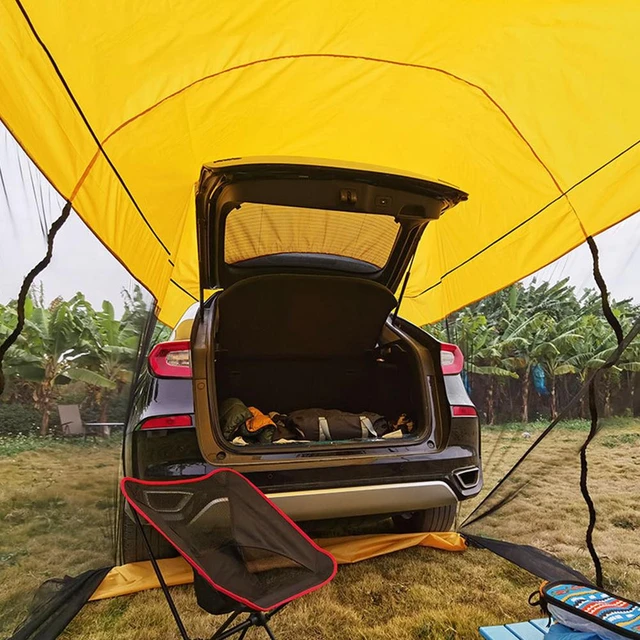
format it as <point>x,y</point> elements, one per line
<point>139,576</point>
<point>517,103</point>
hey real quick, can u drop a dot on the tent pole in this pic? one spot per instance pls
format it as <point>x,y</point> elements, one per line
<point>404,288</point>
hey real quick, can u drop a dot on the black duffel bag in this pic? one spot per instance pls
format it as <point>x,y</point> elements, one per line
<point>333,424</point>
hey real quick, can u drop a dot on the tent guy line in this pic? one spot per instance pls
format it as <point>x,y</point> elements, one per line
<point>26,285</point>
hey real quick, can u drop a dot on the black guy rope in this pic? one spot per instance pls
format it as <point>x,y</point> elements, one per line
<point>26,284</point>
<point>593,411</point>
<point>584,487</point>
<point>604,293</point>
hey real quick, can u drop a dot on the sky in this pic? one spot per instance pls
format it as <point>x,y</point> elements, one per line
<point>80,261</point>
<point>28,205</point>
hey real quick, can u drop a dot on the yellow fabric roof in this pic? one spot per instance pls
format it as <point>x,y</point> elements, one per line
<point>515,102</point>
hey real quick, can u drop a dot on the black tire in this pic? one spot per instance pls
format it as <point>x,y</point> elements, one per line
<point>133,547</point>
<point>430,520</point>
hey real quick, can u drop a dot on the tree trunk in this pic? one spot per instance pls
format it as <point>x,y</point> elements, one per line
<point>491,410</point>
<point>44,425</point>
<point>583,399</point>
<point>607,398</point>
<point>43,396</point>
<point>554,399</point>
<point>564,396</point>
<point>103,409</point>
<point>525,394</point>
<point>636,394</point>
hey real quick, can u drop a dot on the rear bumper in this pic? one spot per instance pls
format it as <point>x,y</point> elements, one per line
<point>319,504</point>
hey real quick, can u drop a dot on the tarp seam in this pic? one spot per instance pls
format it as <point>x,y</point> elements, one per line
<point>172,281</point>
<point>410,65</point>
<point>67,88</point>
<point>531,217</point>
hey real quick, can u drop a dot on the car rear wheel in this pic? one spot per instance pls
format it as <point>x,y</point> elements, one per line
<point>133,547</point>
<point>430,520</point>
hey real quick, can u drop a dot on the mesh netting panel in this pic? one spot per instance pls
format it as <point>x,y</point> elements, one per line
<point>233,536</point>
<point>562,475</point>
<point>67,380</point>
<point>541,503</point>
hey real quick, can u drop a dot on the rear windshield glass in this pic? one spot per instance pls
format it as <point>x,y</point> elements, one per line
<point>257,230</point>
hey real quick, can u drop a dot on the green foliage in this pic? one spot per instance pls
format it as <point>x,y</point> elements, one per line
<point>68,343</point>
<point>505,337</point>
<point>545,326</point>
<point>18,419</point>
<point>11,445</point>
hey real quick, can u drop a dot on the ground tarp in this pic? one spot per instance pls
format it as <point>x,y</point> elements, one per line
<point>530,108</point>
<point>140,576</point>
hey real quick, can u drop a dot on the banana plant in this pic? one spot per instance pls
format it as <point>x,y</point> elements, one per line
<point>111,350</point>
<point>51,351</point>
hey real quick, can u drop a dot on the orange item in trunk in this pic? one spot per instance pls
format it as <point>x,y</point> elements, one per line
<point>258,421</point>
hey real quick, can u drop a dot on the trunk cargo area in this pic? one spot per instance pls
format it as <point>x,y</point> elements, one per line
<point>289,343</point>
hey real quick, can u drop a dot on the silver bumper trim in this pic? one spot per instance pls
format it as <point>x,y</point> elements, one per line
<point>319,504</point>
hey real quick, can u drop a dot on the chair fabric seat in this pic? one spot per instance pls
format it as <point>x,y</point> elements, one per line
<point>209,599</point>
<point>237,541</point>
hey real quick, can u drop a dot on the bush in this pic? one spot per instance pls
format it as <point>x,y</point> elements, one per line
<point>18,418</point>
<point>73,393</point>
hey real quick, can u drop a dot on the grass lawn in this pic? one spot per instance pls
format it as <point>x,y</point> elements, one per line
<point>55,518</point>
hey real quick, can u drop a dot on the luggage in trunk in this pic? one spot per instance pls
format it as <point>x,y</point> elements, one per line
<point>292,343</point>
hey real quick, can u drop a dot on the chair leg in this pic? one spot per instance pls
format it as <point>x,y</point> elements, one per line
<point>242,627</point>
<point>225,625</point>
<point>163,584</point>
<point>259,619</point>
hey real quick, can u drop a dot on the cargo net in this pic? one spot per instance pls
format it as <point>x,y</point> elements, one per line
<point>554,371</point>
<point>233,537</point>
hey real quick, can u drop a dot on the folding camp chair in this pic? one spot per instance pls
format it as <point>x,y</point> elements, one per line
<point>247,555</point>
<point>71,422</point>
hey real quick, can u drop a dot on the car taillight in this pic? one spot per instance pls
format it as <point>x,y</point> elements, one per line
<point>167,422</point>
<point>171,359</point>
<point>459,412</point>
<point>451,359</point>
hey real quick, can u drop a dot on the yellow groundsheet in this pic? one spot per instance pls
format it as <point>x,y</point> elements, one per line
<point>139,576</point>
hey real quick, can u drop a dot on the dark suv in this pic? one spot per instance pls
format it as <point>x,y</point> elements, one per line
<point>303,258</point>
